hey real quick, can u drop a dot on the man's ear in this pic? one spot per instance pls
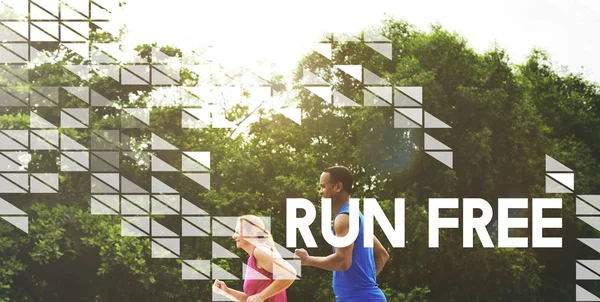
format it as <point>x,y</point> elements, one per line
<point>339,186</point>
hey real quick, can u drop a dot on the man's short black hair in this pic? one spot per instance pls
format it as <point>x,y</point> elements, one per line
<point>340,174</point>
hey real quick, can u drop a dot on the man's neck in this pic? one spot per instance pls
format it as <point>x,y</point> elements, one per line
<point>337,204</point>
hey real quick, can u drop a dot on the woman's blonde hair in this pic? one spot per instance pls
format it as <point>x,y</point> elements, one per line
<point>258,229</point>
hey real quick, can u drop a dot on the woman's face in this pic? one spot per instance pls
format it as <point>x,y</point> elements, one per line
<point>237,236</point>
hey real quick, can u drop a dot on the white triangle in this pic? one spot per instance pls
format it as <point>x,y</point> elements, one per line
<point>189,208</point>
<point>100,13</point>
<point>108,178</point>
<point>433,122</point>
<point>160,208</point>
<point>309,78</point>
<point>341,100</point>
<point>372,79</point>
<point>251,274</point>
<point>82,71</point>
<point>22,223</point>
<point>581,294</point>
<point>67,143</point>
<point>582,273</point>
<point>99,100</point>
<point>384,49</point>
<point>202,179</point>
<point>415,93</point>
<point>109,27</point>
<point>285,253</point>
<point>82,49</point>
<point>111,49</point>
<point>67,121</point>
<point>371,100</point>
<point>37,13</point>
<point>221,274</point>
<point>445,157</point>
<point>552,165</point>
<point>566,179</point>
<point>49,5</point>
<point>202,157</point>
<point>415,114</point>
<point>323,92</point>
<point>371,36</point>
<point>158,165</point>
<point>72,34</point>
<point>202,114</point>
<point>582,208</point>
<point>294,114</point>
<point>161,231</point>
<point>67,13</point>
<point>6,208</point>
<point>140,114</point>
<point>323,48</point>
<point>383,92</point>
<point>19,6</point>
<point>221,252</point>
<point>80,6</point>
<point>160,187</point>
<point>36,121</point>
<point>190,230</point>
<point>160,144</point>
<point>49,34</point>
<point>433,144</point>
<point>82,93</point>
<point>354,71</point>
<point>21,28</point>
<point>111,71</point>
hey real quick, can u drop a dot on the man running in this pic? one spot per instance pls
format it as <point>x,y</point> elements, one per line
<point>354,267</point>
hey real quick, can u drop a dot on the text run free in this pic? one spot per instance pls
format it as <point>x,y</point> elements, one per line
<point>395,234</point>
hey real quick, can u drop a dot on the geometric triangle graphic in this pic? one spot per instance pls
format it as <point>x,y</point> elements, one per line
<point>582,273</point>
<point>415,93</point>
<point>400,121</point>
<point>128,187</point>
<point>189,165</point>
<point>322,92</point>
<point>591,199</point>
<point>99,100</point>
<point>591,242</point>
<point>383,92</point>
<point>82,49</point>
<point>202,179</point>
<point>433,144</point>
<point>249,273</point>
<point>161,231</point>
<point>581,294</point>
<point>159,251</point>
<point>158,165</point>
<point>221,274</point>
<point>341,100</point>
<point>583,208</point>
<point>36,121</point>
<point>400,99</point>
<point>221,252</point>
<point>592,221</point>
<point>552,165</point>
<point>67,143</point>
<point>22,223</point>
<point>373,79</point>
<point>160,187</point>
<point>82,93</point>
<point>309,78</point>
<point>7,208</point>
<point>433,122</point>
<point>82,71</point>
<point>594,265</point>
<point>553,186</point>
<point>383,48</point>
<point>140,114</point>
<point>160,144</point>
<point>201,157</point>
<point>191,209</point>
<point>354,71</point>
<point>67,121</point>
<point>323,48</point>
<point>566,179</point>
<point>191,272</point>
<point>190,230</point>
<point>415,114</point>
<point>445,157</point>
<point>372,100</point>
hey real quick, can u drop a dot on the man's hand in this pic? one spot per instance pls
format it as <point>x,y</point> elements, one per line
<point>255,298</point>
<point>302,254</point>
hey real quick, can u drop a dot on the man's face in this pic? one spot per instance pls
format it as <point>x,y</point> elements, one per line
<point>328,190</point>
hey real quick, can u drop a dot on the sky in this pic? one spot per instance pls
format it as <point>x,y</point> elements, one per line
<point>282,31</point>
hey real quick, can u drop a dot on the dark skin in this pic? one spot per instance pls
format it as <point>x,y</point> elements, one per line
<point>341,259</point>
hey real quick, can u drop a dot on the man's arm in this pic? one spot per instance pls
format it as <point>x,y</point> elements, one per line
<point>341,259</point>
<point>380,254</point>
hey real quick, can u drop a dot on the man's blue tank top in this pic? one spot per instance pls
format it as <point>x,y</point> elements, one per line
<point>358,283</point>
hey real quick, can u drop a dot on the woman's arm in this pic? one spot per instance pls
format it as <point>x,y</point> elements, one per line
<point>283,273</point>
<point>237,295</point>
